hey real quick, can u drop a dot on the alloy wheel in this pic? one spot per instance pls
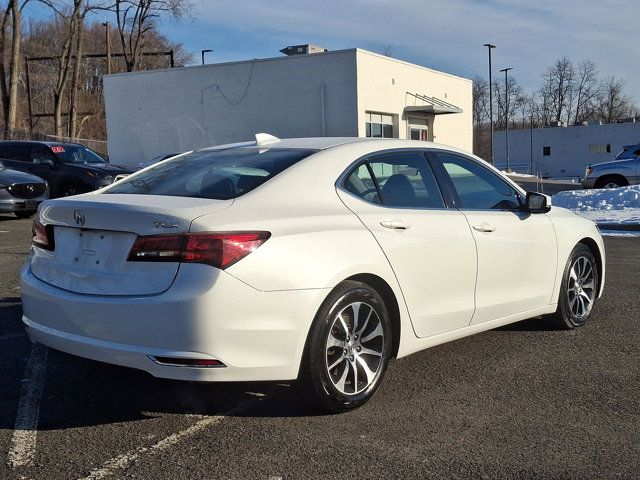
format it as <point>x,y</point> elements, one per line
<point>354,348</point>
<point>581,288</point>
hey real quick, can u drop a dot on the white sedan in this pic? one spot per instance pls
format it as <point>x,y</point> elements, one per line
<point>315,259</point>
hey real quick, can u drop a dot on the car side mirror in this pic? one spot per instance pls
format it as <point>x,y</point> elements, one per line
<point>537,203</point>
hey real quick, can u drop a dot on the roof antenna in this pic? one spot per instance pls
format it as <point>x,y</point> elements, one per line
<point>265,139</point>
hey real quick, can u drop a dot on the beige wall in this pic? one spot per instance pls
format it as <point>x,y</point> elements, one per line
<point>383,84</point>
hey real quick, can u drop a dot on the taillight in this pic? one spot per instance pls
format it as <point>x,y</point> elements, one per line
<point>220,250</point>
<point>42,236</point>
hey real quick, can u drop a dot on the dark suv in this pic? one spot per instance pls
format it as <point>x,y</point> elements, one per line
<point>68,168</point>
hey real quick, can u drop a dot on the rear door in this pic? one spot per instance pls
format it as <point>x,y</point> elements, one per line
<point>517,252</point>
<point>429,247</point>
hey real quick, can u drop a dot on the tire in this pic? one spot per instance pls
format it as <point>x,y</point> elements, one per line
<point>578,291</point>
<point>327,371</point>
<point>611,181</point>
<point>68,190</point>
<point>26,214</point>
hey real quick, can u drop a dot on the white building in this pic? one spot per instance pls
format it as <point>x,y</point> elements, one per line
<point>341,93</point>
<point>563,152</point>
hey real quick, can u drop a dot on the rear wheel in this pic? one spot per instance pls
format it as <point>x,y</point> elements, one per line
<point>578,290</point>
<point>611,181</point>
<point>348,349</point>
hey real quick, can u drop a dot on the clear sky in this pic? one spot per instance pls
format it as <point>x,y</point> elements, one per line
<point>442,34</point>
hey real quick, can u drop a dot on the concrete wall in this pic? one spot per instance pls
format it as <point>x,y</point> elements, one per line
<point>167,111</point>
<point>383,83</point>
<point>570,153</point>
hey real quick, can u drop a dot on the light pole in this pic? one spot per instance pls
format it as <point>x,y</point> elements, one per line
<point>506,113</point>
<point>203,52</point>
<point>490,47</point>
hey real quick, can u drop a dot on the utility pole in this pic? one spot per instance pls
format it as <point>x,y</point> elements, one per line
<point>490,47</point>
<point>506,113</point>
<point>203,52</point>
<point>108,42</point>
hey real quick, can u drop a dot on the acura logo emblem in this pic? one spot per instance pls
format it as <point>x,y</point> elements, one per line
<point>78,216</point>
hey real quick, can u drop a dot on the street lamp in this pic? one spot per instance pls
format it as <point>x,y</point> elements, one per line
<point>203,52</point>
<point>490,47</point>
<point>506,113</point>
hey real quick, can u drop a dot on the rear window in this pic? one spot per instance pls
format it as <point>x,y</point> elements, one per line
<point>215,174</point>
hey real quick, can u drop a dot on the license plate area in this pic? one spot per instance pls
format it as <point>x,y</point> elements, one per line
<point>92,249</point>
<point>30,204</point>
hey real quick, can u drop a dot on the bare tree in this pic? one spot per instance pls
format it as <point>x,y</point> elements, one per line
<point>480,93</point>
<point>613,103</point>
<point>506,111</point>
<point>12,13</point>
<point>586,89</point>
<point>136,18</point>
<point>556,89</point>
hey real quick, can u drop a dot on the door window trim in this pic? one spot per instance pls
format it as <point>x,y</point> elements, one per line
<point>364,160</point>
<point>434,152</point>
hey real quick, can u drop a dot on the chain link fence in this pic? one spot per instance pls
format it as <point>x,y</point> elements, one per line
<point>99,146</point>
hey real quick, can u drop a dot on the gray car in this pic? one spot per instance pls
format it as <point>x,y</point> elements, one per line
<point>21,193</point>
<point>623,170</point>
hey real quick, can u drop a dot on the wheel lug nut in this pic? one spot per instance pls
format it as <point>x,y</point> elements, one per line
<point>351,357</point>
<point>358,348</point>
<point>345,351</point>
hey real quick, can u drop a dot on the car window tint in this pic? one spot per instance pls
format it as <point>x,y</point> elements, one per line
<point>478,187</point>
<point>362,185</point>
<point>40,153</point>
<point>15,152</point>
<point>405,180</point>
<point>215,174</point>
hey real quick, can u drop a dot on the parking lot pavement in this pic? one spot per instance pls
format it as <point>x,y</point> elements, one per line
<point>522,401</point>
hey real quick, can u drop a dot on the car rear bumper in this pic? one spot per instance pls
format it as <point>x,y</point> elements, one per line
<point>206,314</point>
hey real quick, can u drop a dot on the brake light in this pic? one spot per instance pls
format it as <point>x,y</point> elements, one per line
<point>220,250</point>
<point>42,236</point>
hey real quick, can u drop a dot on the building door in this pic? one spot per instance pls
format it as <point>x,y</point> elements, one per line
<point>418,129</point>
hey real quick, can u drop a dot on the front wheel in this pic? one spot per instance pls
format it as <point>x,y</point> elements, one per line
<point>348,349</point>
<point>578,290</point>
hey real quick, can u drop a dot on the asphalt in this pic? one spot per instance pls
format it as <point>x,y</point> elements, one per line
<point>523,401</point>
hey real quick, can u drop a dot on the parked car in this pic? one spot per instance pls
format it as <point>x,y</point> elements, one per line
<point>313,259</point>
<point>21,193</point>
<point>68,168</point>
<point>623,170</point>
<point>146,163</point>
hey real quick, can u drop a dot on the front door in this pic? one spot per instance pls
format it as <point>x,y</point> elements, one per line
<point>430,248</point>
<point>517,253</point>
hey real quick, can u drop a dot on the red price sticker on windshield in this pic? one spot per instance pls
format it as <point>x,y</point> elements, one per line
<point>57,149</point>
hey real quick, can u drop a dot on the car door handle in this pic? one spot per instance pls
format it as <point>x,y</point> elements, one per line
<point>396,225</point>
<point>484,227</point>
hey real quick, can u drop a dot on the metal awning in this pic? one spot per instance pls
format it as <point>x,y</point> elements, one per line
<point>431,105</point>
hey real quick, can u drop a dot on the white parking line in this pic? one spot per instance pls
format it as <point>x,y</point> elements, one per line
<point>120,462</point>
<point>25,431</point>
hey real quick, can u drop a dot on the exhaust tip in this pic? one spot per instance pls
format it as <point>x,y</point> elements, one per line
<point>187,362</point>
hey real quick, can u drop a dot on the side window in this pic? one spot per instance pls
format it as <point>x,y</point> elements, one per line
<point>40,153</point>
<point>362,185</point>
<point>15,152</point>
<point>402,180</point>
<point>478,187</point>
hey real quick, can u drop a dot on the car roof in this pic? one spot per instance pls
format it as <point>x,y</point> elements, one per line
<point>324,143</point>
<point>38,142</point>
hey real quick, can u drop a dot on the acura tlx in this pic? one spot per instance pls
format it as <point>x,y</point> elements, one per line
<point>315,259</point>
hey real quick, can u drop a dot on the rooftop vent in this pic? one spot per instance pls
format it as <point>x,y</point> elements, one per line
<point>302,49</point>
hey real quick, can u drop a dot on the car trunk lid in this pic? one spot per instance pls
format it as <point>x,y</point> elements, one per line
<point>93,236</point>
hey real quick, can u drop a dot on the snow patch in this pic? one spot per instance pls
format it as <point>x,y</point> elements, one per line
<point>608,205</point>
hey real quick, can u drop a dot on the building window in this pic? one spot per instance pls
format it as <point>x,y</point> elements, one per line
<point>379,125</point>
<point>597,148</point>
<point>546,151</point>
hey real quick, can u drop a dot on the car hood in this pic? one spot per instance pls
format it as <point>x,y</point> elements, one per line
<point>612,162</point>
<point>10,176</point>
